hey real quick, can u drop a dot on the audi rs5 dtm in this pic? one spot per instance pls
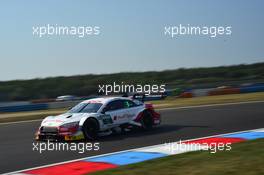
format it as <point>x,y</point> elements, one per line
<point>99,116</point>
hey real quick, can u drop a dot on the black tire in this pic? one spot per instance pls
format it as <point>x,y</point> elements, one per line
<point>147,120</point>
<point>90,129</point>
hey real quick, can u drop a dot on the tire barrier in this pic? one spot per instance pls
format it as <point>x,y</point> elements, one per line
<point>252,88</point>
<point>201,92</point>
<point>174,92</point>
<point>187,94</point>
<point>224,91</point>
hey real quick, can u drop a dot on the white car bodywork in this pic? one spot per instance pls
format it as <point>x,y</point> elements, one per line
<point>107,119</point>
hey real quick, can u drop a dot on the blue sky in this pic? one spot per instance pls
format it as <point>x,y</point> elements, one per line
<point>131,36</point>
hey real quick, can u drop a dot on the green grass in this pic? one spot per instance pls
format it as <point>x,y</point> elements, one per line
<point>169,102</point>
<point>244,158</point>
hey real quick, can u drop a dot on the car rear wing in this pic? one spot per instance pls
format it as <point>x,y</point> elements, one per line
<point>137,96</point>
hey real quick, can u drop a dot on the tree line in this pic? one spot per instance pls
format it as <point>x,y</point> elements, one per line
<point>85,85</point>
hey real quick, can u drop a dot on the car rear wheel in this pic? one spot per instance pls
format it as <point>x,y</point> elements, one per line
<point>90,129</point>
<point>147,120</point>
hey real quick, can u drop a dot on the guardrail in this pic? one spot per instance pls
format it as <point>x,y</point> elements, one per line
<point>27,107</point>
<point>37,106</point>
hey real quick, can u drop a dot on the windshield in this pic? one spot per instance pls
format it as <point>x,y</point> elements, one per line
<point>85,108</point>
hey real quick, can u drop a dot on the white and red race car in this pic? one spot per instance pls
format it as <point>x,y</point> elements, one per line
<point>99,116</point>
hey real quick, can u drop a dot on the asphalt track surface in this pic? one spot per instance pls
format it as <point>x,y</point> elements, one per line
<point>177,124</point>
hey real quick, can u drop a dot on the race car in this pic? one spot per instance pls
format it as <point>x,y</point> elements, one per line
<point>99,116</point>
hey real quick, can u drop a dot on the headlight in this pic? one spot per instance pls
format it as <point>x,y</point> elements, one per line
<point>69,127</point>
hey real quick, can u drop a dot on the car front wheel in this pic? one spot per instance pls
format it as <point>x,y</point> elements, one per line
<point>90,129</point>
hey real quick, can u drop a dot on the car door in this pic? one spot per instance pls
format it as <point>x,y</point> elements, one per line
<point>117,111</point>
<point>132,109</point>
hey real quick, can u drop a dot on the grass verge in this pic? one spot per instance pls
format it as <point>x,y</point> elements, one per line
<point>244,158</point>
<point>169,102</point>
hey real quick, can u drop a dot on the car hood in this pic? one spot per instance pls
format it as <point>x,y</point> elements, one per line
<point>54,121</point>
